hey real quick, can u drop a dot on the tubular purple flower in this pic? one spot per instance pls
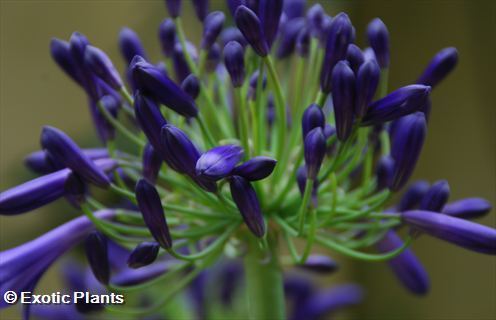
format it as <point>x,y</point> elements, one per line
<point>201,8</point>
<point>191,85</point>
<point>65,150</point>
<point>151,164</point>
<point>413,195</point>
<point>463,233</point>
<point>294,8</point>
<point>246,200</point>
<point>315,149</point>
<point>179,152</point>
<point>378,36</point>
<point>289,34</point>
<point>102,66</point>
<point>367,81</point>
<point>303,42</point>
<point>154,83</point>
<point>232,34</point>
<point>339,38</point>
<point>212,26</point>
<point>406,267</point>
<point>218,162</point>
<point>468,208</point>
<point>144,254</point>
<point>62,56</point>
<point>40,161</point>
<point>397,104</point>
<point>355,57</point>
<point>313,117</point>
<point>315,17</point>
<point>256,168</point>
<point>440,66</point>
<point>270,14</point>
<point>384,172</point>
<point>343,99</point>
<point>75,189</point>
<point>151,208</point>
<point>251,28</point>
<point>97,255</point>
<point>130,45</point>
<point>406,147</point>
<point>150,120</point>
<point>22,266</point>
<point>167,36</point>
<point>235,63</point>
<point>319,264</point>
<point>436,197</point>
<point>174,7</point>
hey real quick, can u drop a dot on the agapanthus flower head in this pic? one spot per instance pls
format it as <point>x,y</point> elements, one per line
<point>320,264</point>
<point>102,66</point>
<point>315,149</point>
<point>212,26</point>
<point>343,99</point>
<point>408,141</point>
<point>251,28</point>
<point>130,45</point>
<point>397,104</point>
<point>167,36</point>
<point>174,7</point>
<point>413,195</point>
<point>354,56</point>
<point>191,85</point>
<point>151,208</point>
<point>64,149</point>
<point>256,168</point>
<point>246,200</point>
<point>463,233</point>
<point>440,66</point>
<point>378,36</point>
<point>436,197</point>
<point>367,80</point>
<point>468,208</point>
<point>179,151</point>
<point>338,39</point>
<point>97,255</point>
<point>144,254</point>
<point>218,162</point>
<point>235,63</point>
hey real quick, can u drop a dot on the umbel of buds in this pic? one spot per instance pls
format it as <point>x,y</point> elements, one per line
<point>266,137</point>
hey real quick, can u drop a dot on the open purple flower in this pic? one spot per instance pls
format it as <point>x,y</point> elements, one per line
<point>218,162</point>
<point>256,168</point>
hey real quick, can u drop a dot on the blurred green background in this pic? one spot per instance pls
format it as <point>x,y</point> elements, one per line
<point>460,145</point>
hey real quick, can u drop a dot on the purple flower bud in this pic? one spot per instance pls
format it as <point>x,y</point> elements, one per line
<point>144,254</point>
<point>235,63</point>
<point>174,7</point>
<point>406,267</point>
<point>167,36</point>
<point>212,26</point>
<point>303,42</point>
<point>256,168</point>
<point>62,148</point>
<point>251,28</point>
<point>130,45</point>
<point>151,164</point>
<point>75,189</point>
<point>315,149</point>
<point>315,18</point>
<point>289,34</point>
<point>181,66</point>
<point>355,57</point>
<point>61,55</point>
<point>320,264</point>
<point>270,14</point>
<point>102,66</point>
<point>338,40</point>
<point>343,99</point>
<point>246,200</point>
<point>436,197</point>
<point>179,152</point>
<point>150,120</point>
<point>463,233</point>
<point>413,195</point>
<point>191,86</point>
<point>384,172</point>
<point>468,208</point>
<point>218,162</point>
<point>232,34</point>
<point>154,83</point>
<point>366,85</point>
<point>301,180</point>
<point>398,103</point>
<point>439,67</point>
<point>294,8</point>
<point>201,8</point>
<point>313,117</point>
<point>97,255</point>
<point>41,162</point>
<point>151,208</point>
<point>407,145</point>
<point>378,36</point>
<point>213,58</point>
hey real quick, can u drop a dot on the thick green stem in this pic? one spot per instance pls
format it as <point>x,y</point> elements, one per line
<point>264,281</point>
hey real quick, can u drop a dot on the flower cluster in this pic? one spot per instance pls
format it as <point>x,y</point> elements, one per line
<point>277,128</point>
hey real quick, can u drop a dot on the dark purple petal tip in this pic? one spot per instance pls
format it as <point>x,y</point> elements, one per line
<point>144,254</point>
<point>256,168</point>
